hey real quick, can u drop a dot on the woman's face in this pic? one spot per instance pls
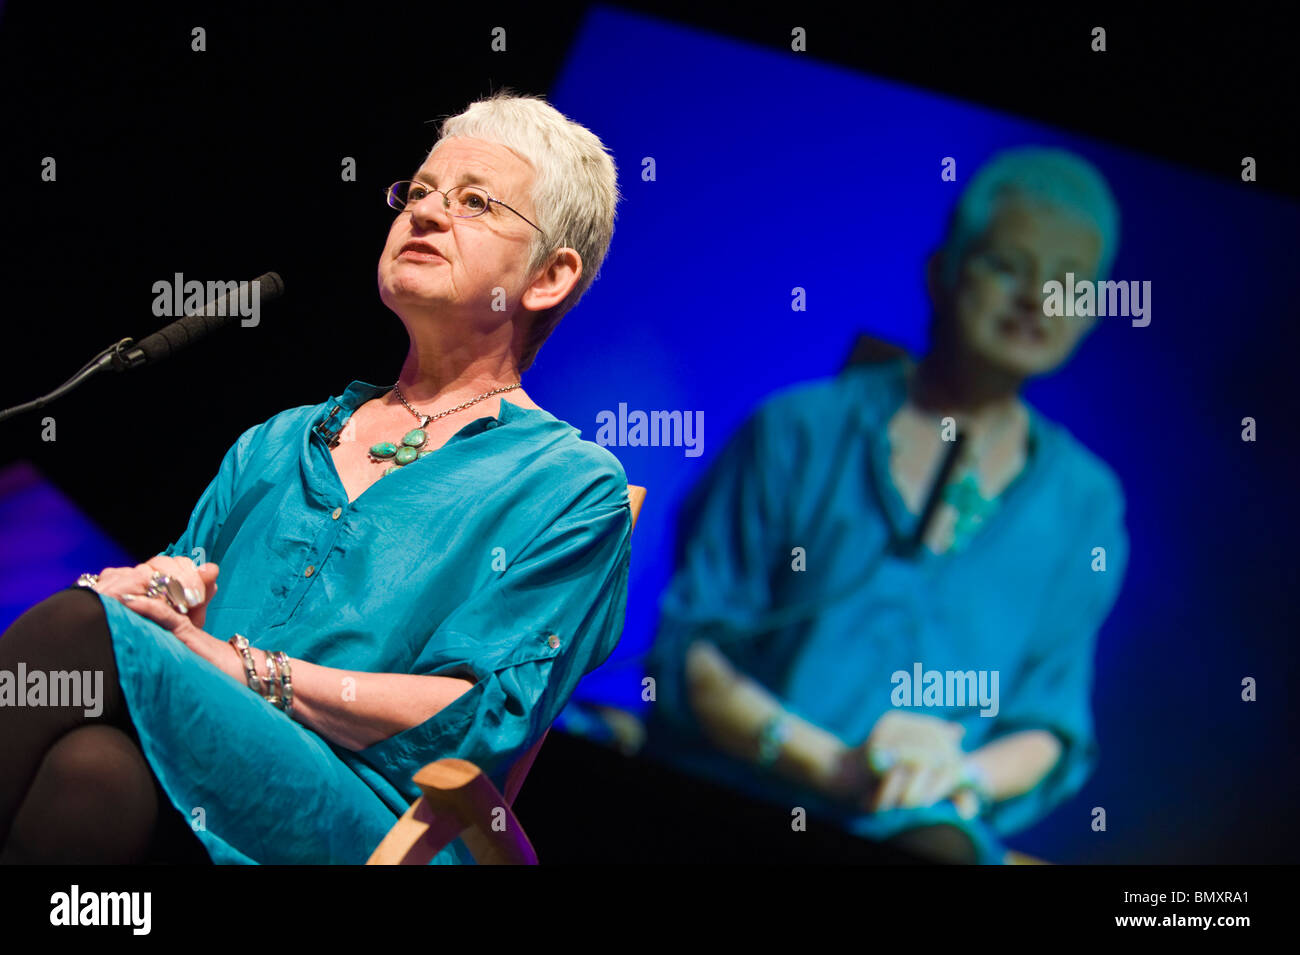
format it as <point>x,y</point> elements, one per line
<point>475,256</point>
<point>997,309</point>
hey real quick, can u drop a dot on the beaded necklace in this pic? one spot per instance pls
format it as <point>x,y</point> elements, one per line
<point>409,448</point>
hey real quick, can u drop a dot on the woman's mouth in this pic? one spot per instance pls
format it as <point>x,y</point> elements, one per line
<point>1028,328</point>
<point>419,252</point>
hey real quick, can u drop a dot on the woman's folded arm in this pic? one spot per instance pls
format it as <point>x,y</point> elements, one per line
<point>354,709</point>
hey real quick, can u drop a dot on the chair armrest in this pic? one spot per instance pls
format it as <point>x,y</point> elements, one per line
<point>1020,858</point>
<point>459,800</point>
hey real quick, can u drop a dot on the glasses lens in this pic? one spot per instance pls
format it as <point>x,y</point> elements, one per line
<point>468,201</point>
<point>401,193</point>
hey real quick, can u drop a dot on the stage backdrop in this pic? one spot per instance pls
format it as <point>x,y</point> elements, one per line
<point>771,171</point>
<point>692,313</point>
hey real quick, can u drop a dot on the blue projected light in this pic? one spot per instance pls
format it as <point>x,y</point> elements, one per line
<point>45,542</point>
<point>749,173</point>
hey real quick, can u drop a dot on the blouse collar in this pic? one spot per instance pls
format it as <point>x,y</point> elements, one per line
<point>359,392</point>
<point>873,422</point>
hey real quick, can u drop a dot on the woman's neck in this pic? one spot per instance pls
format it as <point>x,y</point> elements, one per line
<point>944,383</point>
<point>432,377</point>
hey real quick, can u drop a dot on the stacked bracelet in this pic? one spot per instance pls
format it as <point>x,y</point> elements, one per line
<point>772,737</point>
<point>277,686</point>
<point>277,666</point>
<point>240,643</point>
<point>272,681</point>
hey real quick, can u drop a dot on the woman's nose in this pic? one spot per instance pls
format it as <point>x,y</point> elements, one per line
<point>431,211</point>
<point>1031,291</point>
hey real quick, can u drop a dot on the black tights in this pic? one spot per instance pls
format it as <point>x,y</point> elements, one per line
<point>76,789</point>
<point>937,843</point>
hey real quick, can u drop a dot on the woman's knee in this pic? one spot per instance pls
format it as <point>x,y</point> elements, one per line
<point>92,801</point>
<point>96,766</point>
<point>70,612</point>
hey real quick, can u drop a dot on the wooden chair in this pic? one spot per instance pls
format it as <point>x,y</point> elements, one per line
<point>460,800</point>
<point>1021,858</point>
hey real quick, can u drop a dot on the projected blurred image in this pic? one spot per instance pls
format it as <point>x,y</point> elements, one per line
<point>888,585</point>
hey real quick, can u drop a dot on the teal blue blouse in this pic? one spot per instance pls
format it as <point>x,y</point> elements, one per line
<point>810,470</point>
<point>502,557</point>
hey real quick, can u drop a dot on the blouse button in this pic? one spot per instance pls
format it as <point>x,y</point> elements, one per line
<point>337,512</point>
<point>311,569</point>
<point>553,641</point>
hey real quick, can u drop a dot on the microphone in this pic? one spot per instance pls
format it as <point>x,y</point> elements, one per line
<point>217,314</point>
<point>126,354</point>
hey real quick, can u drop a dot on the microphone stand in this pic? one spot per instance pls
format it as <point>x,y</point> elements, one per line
<point>125,354</point>
<point>113,356</point>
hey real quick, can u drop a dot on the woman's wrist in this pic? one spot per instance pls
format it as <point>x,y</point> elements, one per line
<point>850,776</point>
<point>810,755</point>
<point>743,718</point>
<point>222,655</point>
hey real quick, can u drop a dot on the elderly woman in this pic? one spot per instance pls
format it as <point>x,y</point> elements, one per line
<point>806,597</point>
<point>407,572</point>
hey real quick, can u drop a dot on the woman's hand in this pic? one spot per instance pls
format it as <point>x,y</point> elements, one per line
<point>216,651</point>
<point>919,781</point>
<point>129,585</point>
<point>918,760</point>
<point>200,583</point>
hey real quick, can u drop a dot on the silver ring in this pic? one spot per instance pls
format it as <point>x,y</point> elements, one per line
<point>87,580</point>
<point>170,589</point>
<point>882,760</point>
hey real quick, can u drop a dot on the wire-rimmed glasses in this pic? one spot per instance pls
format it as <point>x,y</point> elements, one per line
<point>464,202</point>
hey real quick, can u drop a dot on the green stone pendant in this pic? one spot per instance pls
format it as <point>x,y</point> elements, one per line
<point>403,454</point>
<point>972,508</point>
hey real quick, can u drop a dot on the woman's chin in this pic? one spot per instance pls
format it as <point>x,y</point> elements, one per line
<point>404,291</point>
<point>1019,360</point>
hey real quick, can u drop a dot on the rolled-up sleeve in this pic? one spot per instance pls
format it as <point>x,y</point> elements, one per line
<point>526,638</point>
<point>1053,689</point>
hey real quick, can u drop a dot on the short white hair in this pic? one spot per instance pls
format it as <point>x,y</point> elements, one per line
<point>1052,177</point>
<point>575,188</point>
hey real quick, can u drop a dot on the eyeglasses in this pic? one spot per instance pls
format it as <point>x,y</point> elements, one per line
<point>464,202</point>
<point>1014,268</point>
